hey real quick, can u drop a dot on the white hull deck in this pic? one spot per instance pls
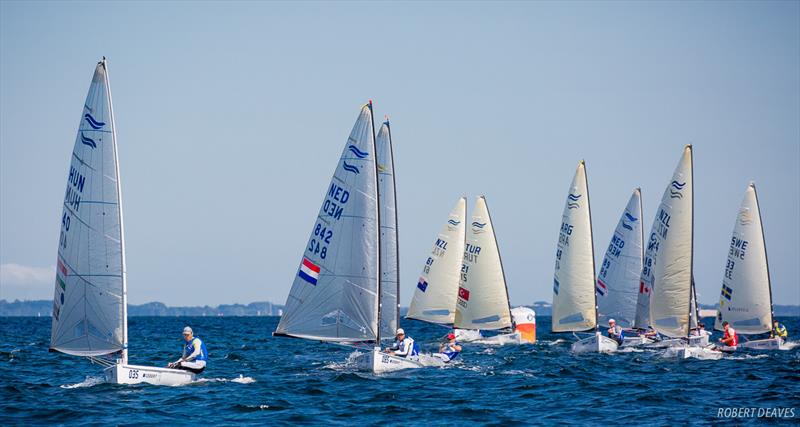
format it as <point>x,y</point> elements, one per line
<point>378,362</point>
<point>765,344</point>
<point>135,374</point>
<point>635,341</point>
<point>468,335</point>
<point>595,344</point>
<point>688,351</point>
<point>666,343</point>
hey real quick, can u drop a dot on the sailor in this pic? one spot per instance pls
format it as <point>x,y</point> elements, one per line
<point>615,331</point>
<point>194,355</point>
<point>700,330</point>
<point>403,346</point>
<point>778,330</point>
<point>730,339</point>
<point>448,350</point>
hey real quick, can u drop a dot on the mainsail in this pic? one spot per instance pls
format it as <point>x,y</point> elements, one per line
<point>390,272</point>
<point>618,279</point>
<point>435,296</point>
<point>89,306</point>
<point>671,243</point>
<point>335,293</point>
<point>574,282</point>
<point>482,293</point>
<point>746,299</point>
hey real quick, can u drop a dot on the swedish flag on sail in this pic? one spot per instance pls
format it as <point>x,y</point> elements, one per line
<point>727,292</point>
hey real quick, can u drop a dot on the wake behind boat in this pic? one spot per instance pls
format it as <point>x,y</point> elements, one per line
<point>90,315</point>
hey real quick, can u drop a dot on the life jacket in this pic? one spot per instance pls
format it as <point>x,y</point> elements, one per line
<point>450,352</point>
<point>413,349</point>
<point>189,349</point>
<point>730,332</point>
<point>780,331</point>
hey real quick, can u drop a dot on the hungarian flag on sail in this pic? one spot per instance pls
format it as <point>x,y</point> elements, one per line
<point>463,293</point>
<point>601,288</point>
<point>309,271</point>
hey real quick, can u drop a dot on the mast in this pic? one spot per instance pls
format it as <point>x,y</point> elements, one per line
<point>502,270</point>
<point>121,226</point>
<point>764,242</point>
<point>378,216</point>
<point>396,225</point>
<point>591,238</point>
<point>691,256</point>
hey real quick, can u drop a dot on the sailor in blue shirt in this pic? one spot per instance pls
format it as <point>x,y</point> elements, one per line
<point>449,350</point>
<point>404,346</point>
<point>194,355</point>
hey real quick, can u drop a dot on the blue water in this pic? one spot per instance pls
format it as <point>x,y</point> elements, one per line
<point>254,378</point>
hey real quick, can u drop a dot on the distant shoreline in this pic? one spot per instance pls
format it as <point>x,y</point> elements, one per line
<point>42,308</point>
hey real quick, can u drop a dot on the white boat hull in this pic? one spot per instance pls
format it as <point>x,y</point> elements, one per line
<point>502,339</point>
<point>689,351</point>
<point>765,344</point>
<point>667,343</point>
<point>135,374</point>
<point>595,344</point>
<point>698,340</point>
<point>635,341</point>
<point>377,362</point>
<point>468,335</point>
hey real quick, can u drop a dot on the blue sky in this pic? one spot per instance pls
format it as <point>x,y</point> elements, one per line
<point>231,117</point>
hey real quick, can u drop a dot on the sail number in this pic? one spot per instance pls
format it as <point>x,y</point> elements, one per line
<point>133,374</point>
<point>318,244</point>
<point>65,220</point>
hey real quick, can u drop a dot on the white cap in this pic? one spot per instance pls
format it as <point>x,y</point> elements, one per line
<point>400,331</point>
<point>612,321</point>
<point>187,330</point>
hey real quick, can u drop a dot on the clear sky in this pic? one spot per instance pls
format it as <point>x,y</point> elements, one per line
<point>231,117</point>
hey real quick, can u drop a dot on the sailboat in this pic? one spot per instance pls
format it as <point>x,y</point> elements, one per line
<point>746,299</point>
<point>337,295</point>
<point>618,279</point>
<point>672,245</point>
<point>482,302</point>
<point>574,298</point>
<point>90,313</point>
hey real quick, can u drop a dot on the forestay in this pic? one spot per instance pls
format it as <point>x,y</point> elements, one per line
<point>618,278</point>
<point>574,282</point>
<point>435,296</point>
<point>89,317</point>
<point>672,242</point>
<point>334,296</point>
<point>390,272</point>
<point>746,299</point>
<point>482,301</point>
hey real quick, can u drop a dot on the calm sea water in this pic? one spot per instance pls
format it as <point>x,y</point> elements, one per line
<point>254,378</point>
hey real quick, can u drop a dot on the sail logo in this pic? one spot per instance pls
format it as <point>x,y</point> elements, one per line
<point>630,218</point>
<point>477,227</point>
<point>85,140</point>
<point>727,292</point>
<point>453,222</point>
<point>350,168</point>
<point>93,122</point>
<point>745,217</point>
<point>309,271</point>
<point>555,286</point>
<point>675,191</point>
<point>601,288</point>
<point>572,202</point>
<point>422,284</point>
<point>358,153</point>
<point>463,293</point>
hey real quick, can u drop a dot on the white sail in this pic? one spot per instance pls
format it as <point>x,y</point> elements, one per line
<point>574,283</point>
<point>434,298</point>
<point>89,314</point>
<point>482,293</point>
<point>672,243</point>
<point>694,313</point>
<point>618,278</point>
<point>390,271</point>
<point>334,296</point>
<point>746,299</point>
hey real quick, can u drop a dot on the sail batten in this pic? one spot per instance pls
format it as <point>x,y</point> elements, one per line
<point>746,298</point>
<point>336,291</point>
<point>90,316</point>
<point>434,299</point>
<point>482,298</point>
<point>574,280</point>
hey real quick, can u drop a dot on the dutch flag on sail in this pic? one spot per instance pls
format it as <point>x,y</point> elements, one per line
<point>309,271</point>
<point>601,288</point>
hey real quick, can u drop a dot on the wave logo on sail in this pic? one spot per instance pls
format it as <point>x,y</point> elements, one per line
<point>477,227</point>
<point>93,122</point>
<point>453,222</point>
<point>675,191</point>
<point>630,218</point>
<point>85,140</point>
<point>350,168</point>
<point>358,153</point>
<point>572,202</point>
<point>422,284</point>
<point>745,217</point>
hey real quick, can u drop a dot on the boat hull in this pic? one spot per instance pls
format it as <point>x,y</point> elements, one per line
<point>689,351</point>
<point>765,344</point>
<point>636,341</point>
<point>667,343</point>
<point>468,335</point>
<point>595,344</point>
<point>135,374</point>
<point>378,362</point>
